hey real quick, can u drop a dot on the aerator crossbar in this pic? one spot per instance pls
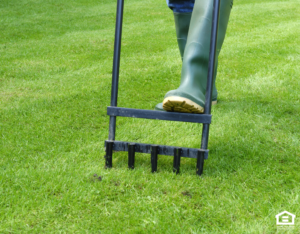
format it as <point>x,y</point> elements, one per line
<point>161,115</point>
<point>113,111</point>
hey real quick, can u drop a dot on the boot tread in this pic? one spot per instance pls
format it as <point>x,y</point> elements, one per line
<point>181,104</point>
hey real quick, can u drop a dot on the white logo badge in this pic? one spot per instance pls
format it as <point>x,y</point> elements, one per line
<point>285,218</point>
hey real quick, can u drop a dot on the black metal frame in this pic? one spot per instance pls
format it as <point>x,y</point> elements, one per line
<point>113,111</point>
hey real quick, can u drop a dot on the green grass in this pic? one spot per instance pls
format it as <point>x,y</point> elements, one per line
<point>55,79</point>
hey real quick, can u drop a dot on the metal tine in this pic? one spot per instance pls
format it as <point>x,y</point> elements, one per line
<point>154,153</point>
<point>108,155</point>
<point>200,163</point>
<point>176,162</point>
<point>131,156</point>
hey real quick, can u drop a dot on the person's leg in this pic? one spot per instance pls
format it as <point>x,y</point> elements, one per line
<point>182,11</point>
<point>190,96</point>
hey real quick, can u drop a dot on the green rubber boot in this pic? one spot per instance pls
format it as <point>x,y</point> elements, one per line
<point>190,96</point>
<point>182,24</point>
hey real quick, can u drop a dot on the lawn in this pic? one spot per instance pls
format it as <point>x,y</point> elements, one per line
<point>55,80</point>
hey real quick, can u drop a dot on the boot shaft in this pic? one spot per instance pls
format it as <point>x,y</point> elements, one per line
<point>182,24</point>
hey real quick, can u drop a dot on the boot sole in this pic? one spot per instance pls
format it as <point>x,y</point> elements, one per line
<point>180,104</point>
